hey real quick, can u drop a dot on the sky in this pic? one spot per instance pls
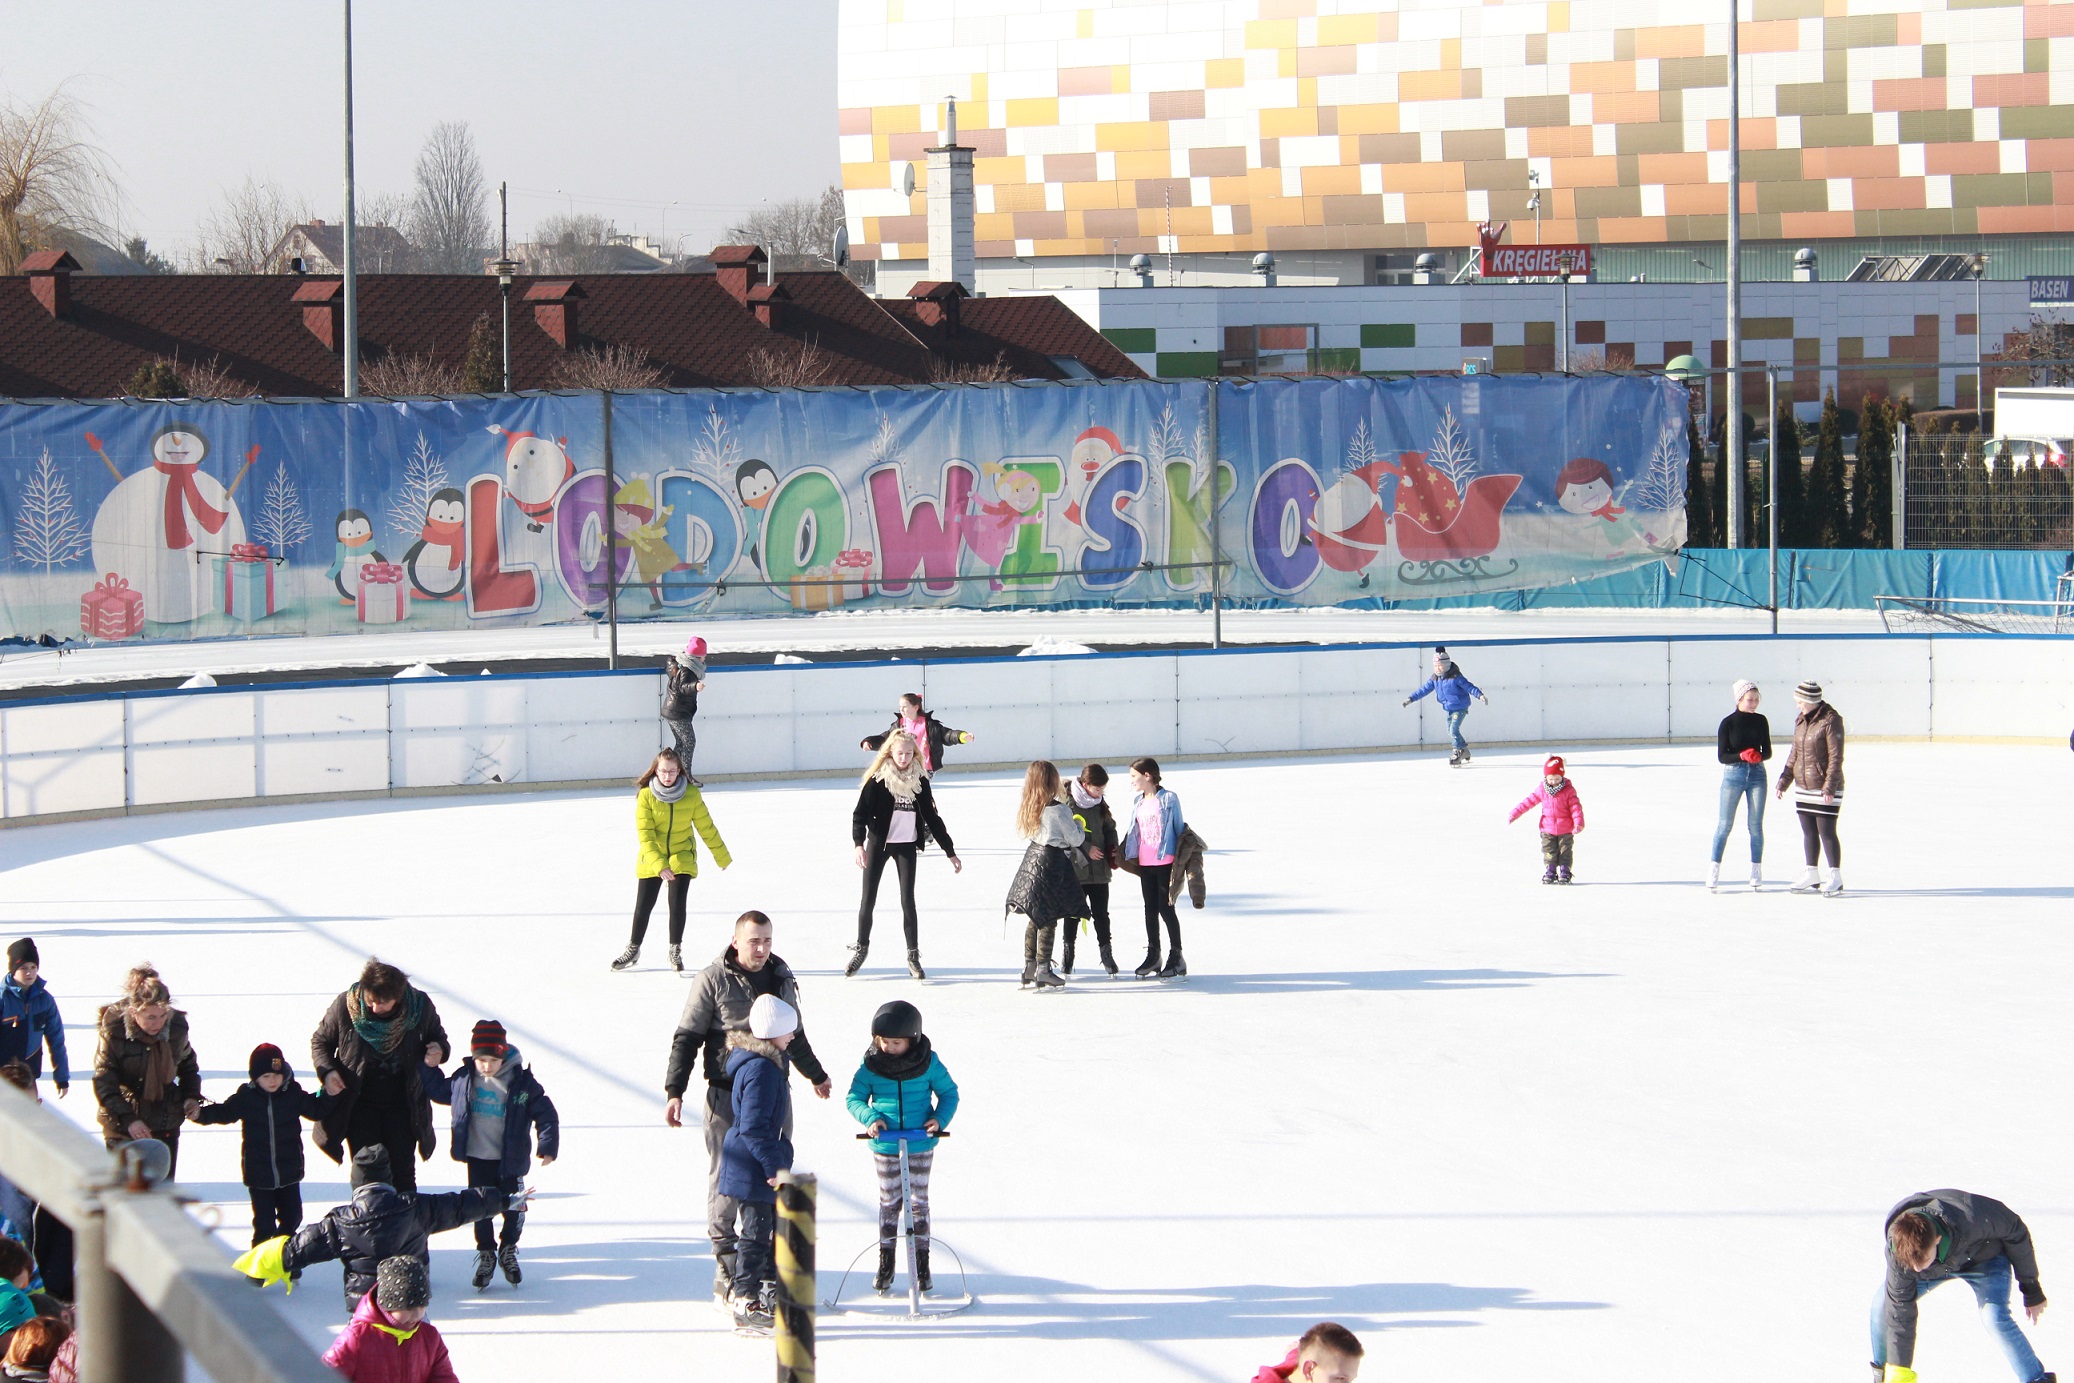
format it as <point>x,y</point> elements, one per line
<point>659,104</point>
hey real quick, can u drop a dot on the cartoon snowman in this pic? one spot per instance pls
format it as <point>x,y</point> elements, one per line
<point>535,469</point>
<point>159,528</point>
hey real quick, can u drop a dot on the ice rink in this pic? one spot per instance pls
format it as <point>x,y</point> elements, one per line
<point>1620,1131</point>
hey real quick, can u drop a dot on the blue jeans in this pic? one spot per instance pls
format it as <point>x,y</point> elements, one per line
<point>1740,781</point>
<point>1990,1284</point>
<point>1454,729</point>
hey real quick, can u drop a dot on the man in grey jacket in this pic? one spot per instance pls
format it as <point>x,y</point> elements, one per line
<point>1935,1236</point>
<point>719,1004</point>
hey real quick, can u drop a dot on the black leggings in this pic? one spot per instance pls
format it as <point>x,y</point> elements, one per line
<point>903,857</point>
<point>1818,834</point>
<point>644,903</point>
<point>1152,880</point>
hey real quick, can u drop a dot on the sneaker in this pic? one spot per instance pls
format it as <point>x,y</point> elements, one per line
<point>857,955</point>
<point>677,959</point>
<point>485,1267</point>
<point>627,958</point>
<point>507,1259</point>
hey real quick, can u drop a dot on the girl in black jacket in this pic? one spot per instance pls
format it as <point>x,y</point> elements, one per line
<point>931,735</point>
<point>271,1108</point>
<point>895,814</point>
<point>1743,744</point>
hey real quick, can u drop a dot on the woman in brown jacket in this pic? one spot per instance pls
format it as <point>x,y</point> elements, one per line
<point>1815,771</point>
<point>146,1079</point>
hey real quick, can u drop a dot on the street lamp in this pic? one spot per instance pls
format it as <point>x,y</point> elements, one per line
<point>506,267</point>
<point>1980,381</point>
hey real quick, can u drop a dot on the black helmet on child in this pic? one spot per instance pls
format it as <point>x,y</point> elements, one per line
<point>897,1019</point>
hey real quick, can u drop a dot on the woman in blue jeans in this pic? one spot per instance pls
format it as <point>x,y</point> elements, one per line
<point>1743,745</point>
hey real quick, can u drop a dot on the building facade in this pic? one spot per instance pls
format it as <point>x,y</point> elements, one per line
<point>1348,136</point>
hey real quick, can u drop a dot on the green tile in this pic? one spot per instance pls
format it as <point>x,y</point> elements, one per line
<point>1133,340</point>
<point>2037,122</point>
<point>1336,359</point>
<point>1389,336</point>
<point>1185,364</point>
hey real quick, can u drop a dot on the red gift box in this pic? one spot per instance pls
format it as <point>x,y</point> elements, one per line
<point>853,565</point>
<point>248,582</point>
<point>112,610</point>
<point>382,597</point>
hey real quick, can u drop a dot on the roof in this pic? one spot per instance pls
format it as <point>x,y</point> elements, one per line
<point>687,324</point>
<point>372,244</point>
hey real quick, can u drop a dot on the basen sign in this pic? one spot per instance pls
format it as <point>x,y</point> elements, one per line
<point>1529,261</point>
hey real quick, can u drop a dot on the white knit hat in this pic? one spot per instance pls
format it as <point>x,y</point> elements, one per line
<point>771,1018</point>
<point>1745,685</point>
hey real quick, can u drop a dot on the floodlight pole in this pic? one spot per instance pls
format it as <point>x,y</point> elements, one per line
<point>1216,529</point>
<point>1771,484</point>
<point>349,289</point>
<point>1732,453</point>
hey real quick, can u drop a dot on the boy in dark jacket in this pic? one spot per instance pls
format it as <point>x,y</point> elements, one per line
<point>497,1107</point>
<point>378,1223</point>
<point>1935,1236</point>
<point>29,1017</point>
<point>756,1150</point>
<point>271,1108</point>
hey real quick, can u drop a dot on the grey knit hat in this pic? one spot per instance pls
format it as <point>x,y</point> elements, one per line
<point>1810,690</point>
<point>371,1164</point>
<point>401,1283</point>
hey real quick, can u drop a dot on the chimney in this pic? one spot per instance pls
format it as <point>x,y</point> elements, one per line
<point>767,301</point>
<point>50,279</point>
<point>554,308</point>
<point>936,304</point>
<point>320,300</point>
<point>737,269</point>
<point>951,251</point>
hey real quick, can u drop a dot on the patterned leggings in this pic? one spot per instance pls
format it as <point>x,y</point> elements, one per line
<point>918,1165</point>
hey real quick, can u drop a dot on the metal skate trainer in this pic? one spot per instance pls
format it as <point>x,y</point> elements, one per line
<point>919,1308</point>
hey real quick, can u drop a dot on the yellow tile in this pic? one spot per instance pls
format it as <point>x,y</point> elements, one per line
<point>1131,134</point>
<point>1085,27</point>
<point>1314,211</point>
<point>1144,163</point>
<point>1559,16</point>
<point>895,119</point>
<point>996,225</point>
<point>856,175</point>
<point>1451,53</point>
<point>1265,183</point>
<point>1270,33</point>
<point>1430,86</point>
<point>1278,211</point>
<point>1282,122</point>
<point>1120,77</point>
<point>1224,72</point>
<point>1285,63</point>
<point>871,228</point>
<point>1332,182</point>
<point>882,147</point>
<point>1000,170</point>
<point>1193,220</point>
<point>1307,91</point>
<point>1335,29</point>
<point>1090,196</point>
<point>1019,197</point>
<point>1034,110</point>
<point>979,87</point>
<point>1370,119</point>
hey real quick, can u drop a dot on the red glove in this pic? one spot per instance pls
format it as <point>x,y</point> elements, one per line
<point>1750,756</point>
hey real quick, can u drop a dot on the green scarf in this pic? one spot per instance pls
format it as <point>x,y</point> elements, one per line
<point>385,1035</point>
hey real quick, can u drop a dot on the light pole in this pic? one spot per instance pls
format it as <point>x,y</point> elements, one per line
<point>1980,381</point>
<point>506,267</point>
<point>349,291</point>
<point>1732,445</point>
<point>1534,200</point>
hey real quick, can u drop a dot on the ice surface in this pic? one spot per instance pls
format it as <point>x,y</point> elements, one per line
<point>1621,1131</point>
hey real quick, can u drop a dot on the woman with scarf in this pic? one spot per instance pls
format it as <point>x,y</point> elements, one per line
<point>894,817</point>
<point>667,811</point>
<point>146,1079</point>
<point>371,1052</point>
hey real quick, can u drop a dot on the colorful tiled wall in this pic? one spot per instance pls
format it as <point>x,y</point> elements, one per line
<point>1121,126</point>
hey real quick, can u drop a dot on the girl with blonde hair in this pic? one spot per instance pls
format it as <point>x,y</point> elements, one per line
<point>1046,890</point>
<point>894,818</point>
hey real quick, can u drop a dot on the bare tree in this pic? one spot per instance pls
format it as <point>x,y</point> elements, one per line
<point>796,234</point>
<point>449,210</point>
<point>397,376</point>
<point>572,245</point>
<point>995,371</point>
<point>608,367</point>
<point>774,368</point>
<point>239,235</point>
<point>170,377</point>
<point>53,179</point>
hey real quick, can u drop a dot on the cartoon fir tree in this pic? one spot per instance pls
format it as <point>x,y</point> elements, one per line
<point>281,523</point>
<point>48,531</point>
<point>424,475</point>
<point>1451,454</point>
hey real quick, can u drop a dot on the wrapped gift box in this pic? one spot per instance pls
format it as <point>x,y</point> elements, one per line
<point>817,588</point>
<point>383,598</point>
<point>112,610</point>
<point>854,566</point>
<point>248,582</point>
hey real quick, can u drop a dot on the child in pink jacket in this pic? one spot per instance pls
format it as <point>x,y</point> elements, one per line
<point>1562,818</point>
<point>389,1339</point>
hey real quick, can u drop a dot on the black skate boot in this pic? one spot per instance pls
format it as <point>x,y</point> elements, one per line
<point>1466,755</point>
<point>507,1259</point>
<point>1149,966</point>
<point>1454,760</point>
<point>485,1266</point>
<point>1108,956</point>
<point>627,958</point>
<point>925,1283</point>
<point>857,955</point>
<point>882,1280</point>
<point>914,965</point>
<point>723,1277</point>
<point>1176,968</point>
<point>1045,977</point>
<point>1071,939</point>
<point>1029,954</point>
<point>676,957</point>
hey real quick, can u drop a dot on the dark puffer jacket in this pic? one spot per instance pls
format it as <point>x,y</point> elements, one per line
<point>526,1108</point>
<point>941,737</point>
<point>718,1004</point>
<point>381,1222</point>
<point>336,1047</point>
<point>119,1068</point>
<point>1973,1230</point>
<point>272,1155</point>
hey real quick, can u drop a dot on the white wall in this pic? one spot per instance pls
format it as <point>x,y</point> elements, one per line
<point>160,749</point>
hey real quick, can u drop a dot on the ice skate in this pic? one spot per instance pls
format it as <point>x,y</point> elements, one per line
<point>1045,977</point>
<point>1809,881</point>
<point>1455,759</point>
<point>1148,967</point>
<point>485,1267</point>
<point>1176,968</point>
<point>1714,877</point>
<point>1563,875</point>
<point>752,1313</point>
<point>1548,875</point>
<point>676,957</point>
<point>1757,878</point>
<point>882,1280</point>
<point>1466,755</point>
<point>507,1259</point>
<point>923,1282</point>
<point>856,963</point>
<point>1108,957</point>
<point>627,958</point>
<point>1833,886</point>
<point>914,965</point>
<point>1066,958</point>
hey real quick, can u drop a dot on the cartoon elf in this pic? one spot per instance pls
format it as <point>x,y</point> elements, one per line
<point>645,529</point>
<point>1584,487</point>
<point>990,529</point>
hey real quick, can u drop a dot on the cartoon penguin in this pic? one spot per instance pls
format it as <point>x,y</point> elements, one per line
<point>535,469</point>
<point>433,563</point>
<point>754,482</point>
<point>355,550</point>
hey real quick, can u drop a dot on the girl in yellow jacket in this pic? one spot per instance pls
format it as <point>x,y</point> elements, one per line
<point>667,809</point>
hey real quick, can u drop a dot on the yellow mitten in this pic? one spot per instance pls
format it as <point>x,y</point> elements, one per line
<point>264,1263</point>
<point>1897,1374</point>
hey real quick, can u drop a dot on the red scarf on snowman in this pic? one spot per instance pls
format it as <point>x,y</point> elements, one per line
<point>182,495</point>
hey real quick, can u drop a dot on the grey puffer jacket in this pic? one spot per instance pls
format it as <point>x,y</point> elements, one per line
<point>719,1004</point>
<point>1974,1231</point>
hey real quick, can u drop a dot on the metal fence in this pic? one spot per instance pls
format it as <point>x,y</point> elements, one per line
<point>1958,495</point>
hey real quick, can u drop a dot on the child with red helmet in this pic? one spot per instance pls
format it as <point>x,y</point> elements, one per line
<point>1562,819</point>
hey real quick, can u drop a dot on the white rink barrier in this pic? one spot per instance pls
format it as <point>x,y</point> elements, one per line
<point>102,755</point>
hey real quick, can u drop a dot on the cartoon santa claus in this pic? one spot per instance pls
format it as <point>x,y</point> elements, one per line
<point>1350,527</point>
<point>1092,450</point>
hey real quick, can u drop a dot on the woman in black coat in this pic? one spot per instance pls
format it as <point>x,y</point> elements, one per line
<point>371,1051</point>
<point>895,815</point>
<point>932,737</point>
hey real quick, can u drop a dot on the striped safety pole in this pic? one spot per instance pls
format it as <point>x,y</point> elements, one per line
<point>795,1251</point>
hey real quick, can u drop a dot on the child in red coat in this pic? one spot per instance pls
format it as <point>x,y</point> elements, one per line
<point>389,1340</point>
<point>1562,819</point>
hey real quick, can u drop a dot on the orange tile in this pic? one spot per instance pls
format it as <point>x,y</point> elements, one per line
<point>2045,155</point>
<point>1624,108</point>
<point>1602,171</point>
<point>1091,196</point>
<point>1910,93</point>
<point>1874,161</point>
<point>1696,199</point>
<point>1144,163</point>
<point>1887,194</point>
<point>1194,220</point>
<point>1560,141</point>
<point>1335,182</point>
<point>2016,220</point>
<point>994,226</point>
<point>1671,169</point>
<point>1436,206</point>
<point>1595,77</point>
<point>1770,36</point>
<point>1673,41</point>
<point>1131,134</point>
<point>1962,158</point>
<point>1421,177</point>
<point>1288,120</point>
<point>1378,118</point>
<point>1429,86</point>
<point>2013,89</point>
<point>2048,21</point>
<point>1224,72</point>
<point>1908,29</point>
<point>1019,197</point>
<point>1278,211</point>
<point>1760,132</point>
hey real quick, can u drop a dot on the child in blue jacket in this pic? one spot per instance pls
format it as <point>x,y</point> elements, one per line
<point>757,1146</point>
<point>29,1017</point>
<point>902,1085</point>
<point>1452,690</point>
<point>497,1107</point>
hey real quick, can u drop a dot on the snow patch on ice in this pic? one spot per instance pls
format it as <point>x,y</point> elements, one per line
<point>200,679</point>
<point>789,658</point>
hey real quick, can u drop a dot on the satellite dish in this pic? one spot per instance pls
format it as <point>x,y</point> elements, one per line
<point>840,251</point>
<point>906,179</point>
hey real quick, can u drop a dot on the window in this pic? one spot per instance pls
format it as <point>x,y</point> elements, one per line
<point>1269,350</point>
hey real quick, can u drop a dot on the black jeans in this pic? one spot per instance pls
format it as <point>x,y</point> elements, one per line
<point>486,1171</point>
<point>1818,836</point>
<point>389,1126</point>
<point>275,1212</point>
<point>1098,907</point>
<point>644,903</point>
<point>755,1252</point>
<point>1152,880</point>
<point>53,1248</point>
<point>903,857</point>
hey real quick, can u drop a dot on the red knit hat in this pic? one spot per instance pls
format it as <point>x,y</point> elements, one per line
<point>488,1039</point>
<point>1552,767</point>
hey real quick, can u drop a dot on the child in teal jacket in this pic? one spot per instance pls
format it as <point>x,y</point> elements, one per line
<point>902,1084</point>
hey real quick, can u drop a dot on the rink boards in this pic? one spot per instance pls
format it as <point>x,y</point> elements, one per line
<point>158,750</point>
